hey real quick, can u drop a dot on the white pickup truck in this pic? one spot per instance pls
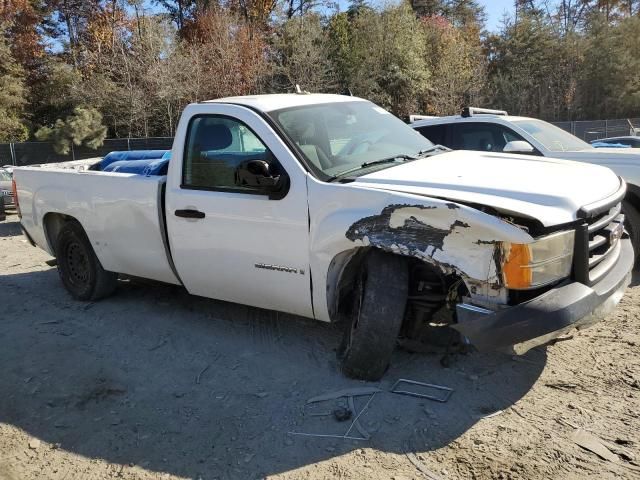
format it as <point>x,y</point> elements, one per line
<point>329,207</point>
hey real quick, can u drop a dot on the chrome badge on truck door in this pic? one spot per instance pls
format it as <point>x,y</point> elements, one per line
<point>279,268</point>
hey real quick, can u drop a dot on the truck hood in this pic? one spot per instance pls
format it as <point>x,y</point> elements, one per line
<point>547,189</point>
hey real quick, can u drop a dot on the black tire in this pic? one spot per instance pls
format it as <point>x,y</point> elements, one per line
<point>632,224</point>
<point>79,268</point>
<point>380,298</point>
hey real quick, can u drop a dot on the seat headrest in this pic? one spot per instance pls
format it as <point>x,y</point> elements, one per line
<point>214,136</point>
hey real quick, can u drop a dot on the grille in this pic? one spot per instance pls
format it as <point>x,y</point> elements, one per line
<point>598,238</point>
<point>604,242</point>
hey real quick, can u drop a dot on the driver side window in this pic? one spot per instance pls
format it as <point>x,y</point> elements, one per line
<point>215,148</point>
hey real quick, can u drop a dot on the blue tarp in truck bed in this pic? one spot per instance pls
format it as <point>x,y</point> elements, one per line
<point>141,162</point>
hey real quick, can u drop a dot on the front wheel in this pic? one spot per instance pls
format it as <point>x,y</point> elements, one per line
<point>380,297</point>
<point>79,268</point>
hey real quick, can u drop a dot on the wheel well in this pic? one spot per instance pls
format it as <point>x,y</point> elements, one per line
<point>53,223</point>
<point>633,196</point>
<point>341,276</point>
<point>345,266</point>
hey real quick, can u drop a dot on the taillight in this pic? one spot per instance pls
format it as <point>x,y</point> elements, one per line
<point>15,197</point>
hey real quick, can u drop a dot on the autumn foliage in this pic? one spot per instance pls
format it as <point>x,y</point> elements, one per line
<point>70,68</point>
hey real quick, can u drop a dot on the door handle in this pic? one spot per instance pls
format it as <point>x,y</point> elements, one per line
<point>189,214</point>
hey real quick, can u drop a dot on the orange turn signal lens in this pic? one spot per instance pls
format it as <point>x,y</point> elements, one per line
<point>544,261</point>
<point>516,270</point>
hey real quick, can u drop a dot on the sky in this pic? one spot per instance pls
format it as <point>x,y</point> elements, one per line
<point>495,10</point>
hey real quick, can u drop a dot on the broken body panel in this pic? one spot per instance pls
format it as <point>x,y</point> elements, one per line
<point>454,238</point>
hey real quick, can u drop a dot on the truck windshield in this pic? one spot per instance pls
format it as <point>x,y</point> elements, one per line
<point>341,137</point>
<point>553,138</point>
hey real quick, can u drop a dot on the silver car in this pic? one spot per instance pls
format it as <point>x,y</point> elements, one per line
<point>6,190</point>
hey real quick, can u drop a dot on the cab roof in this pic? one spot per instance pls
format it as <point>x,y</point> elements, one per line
<point>277,101</point>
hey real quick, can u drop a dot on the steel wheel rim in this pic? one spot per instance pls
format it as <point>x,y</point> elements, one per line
<point>78,263</point>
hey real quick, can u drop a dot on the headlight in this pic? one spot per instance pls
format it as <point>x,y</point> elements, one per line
<point>546,260</point>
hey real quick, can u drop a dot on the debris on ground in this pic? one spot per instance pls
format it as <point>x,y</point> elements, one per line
<point>198,377</point>
<point>348,392</point>
<point>441,393</point>
<point>592,443</point>
<point>346,436</point>
<point>342,414</point>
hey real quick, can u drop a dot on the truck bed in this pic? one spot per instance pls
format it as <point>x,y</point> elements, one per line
<point>121,213</point>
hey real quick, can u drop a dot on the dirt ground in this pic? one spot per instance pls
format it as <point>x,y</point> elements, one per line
<point>153,383</point>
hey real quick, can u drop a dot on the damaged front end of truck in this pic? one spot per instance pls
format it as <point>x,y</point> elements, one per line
<point>493,280</point>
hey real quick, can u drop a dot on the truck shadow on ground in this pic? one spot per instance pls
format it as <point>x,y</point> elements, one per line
<point>199,388</point>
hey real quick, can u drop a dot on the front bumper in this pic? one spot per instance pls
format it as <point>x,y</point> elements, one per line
<point>535,322</point>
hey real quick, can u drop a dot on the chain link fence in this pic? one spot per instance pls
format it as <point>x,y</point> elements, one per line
<point>32,153</point>
<point>589,130</point>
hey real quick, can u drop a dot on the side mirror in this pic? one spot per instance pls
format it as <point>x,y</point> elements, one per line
<point>518,146</point>
<point>257,173</point>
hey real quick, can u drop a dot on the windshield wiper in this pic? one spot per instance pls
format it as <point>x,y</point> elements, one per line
<point>388,160</point>
<point>432,149</point>
<point>372,163</point>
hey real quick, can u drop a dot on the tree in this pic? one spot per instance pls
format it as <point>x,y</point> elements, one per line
<point>228,53</point>
<point>340,53</point>
<point>73,17</point>
<point>55,94</point>
<point>610,80</point>
<point>139,67</point>
<point>460,13</point>
<point>256,12</point>
<point>301,7</point>
<point>531,69</point>
<point>21,19</point>
<point>178,10</point>
<point>358,6</point>
<point>12,94</point>
<point>628,67</point>
<point>458,68</point>
<point>382,56</point>
<point>83,127</point>
<point>301,56</point>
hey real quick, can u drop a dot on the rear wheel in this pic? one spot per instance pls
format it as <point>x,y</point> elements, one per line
<point>632,224</point>
<point>379,301</point>
<point>79,268</point>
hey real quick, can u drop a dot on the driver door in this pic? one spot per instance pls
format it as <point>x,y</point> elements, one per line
<point>237,242</point>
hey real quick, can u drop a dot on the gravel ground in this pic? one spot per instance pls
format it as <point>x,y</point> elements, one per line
<point>155,383</point>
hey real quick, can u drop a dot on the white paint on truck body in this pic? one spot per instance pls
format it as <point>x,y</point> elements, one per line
<point>118,211</point>
<point>548,190</point>
<point>217,256</point>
